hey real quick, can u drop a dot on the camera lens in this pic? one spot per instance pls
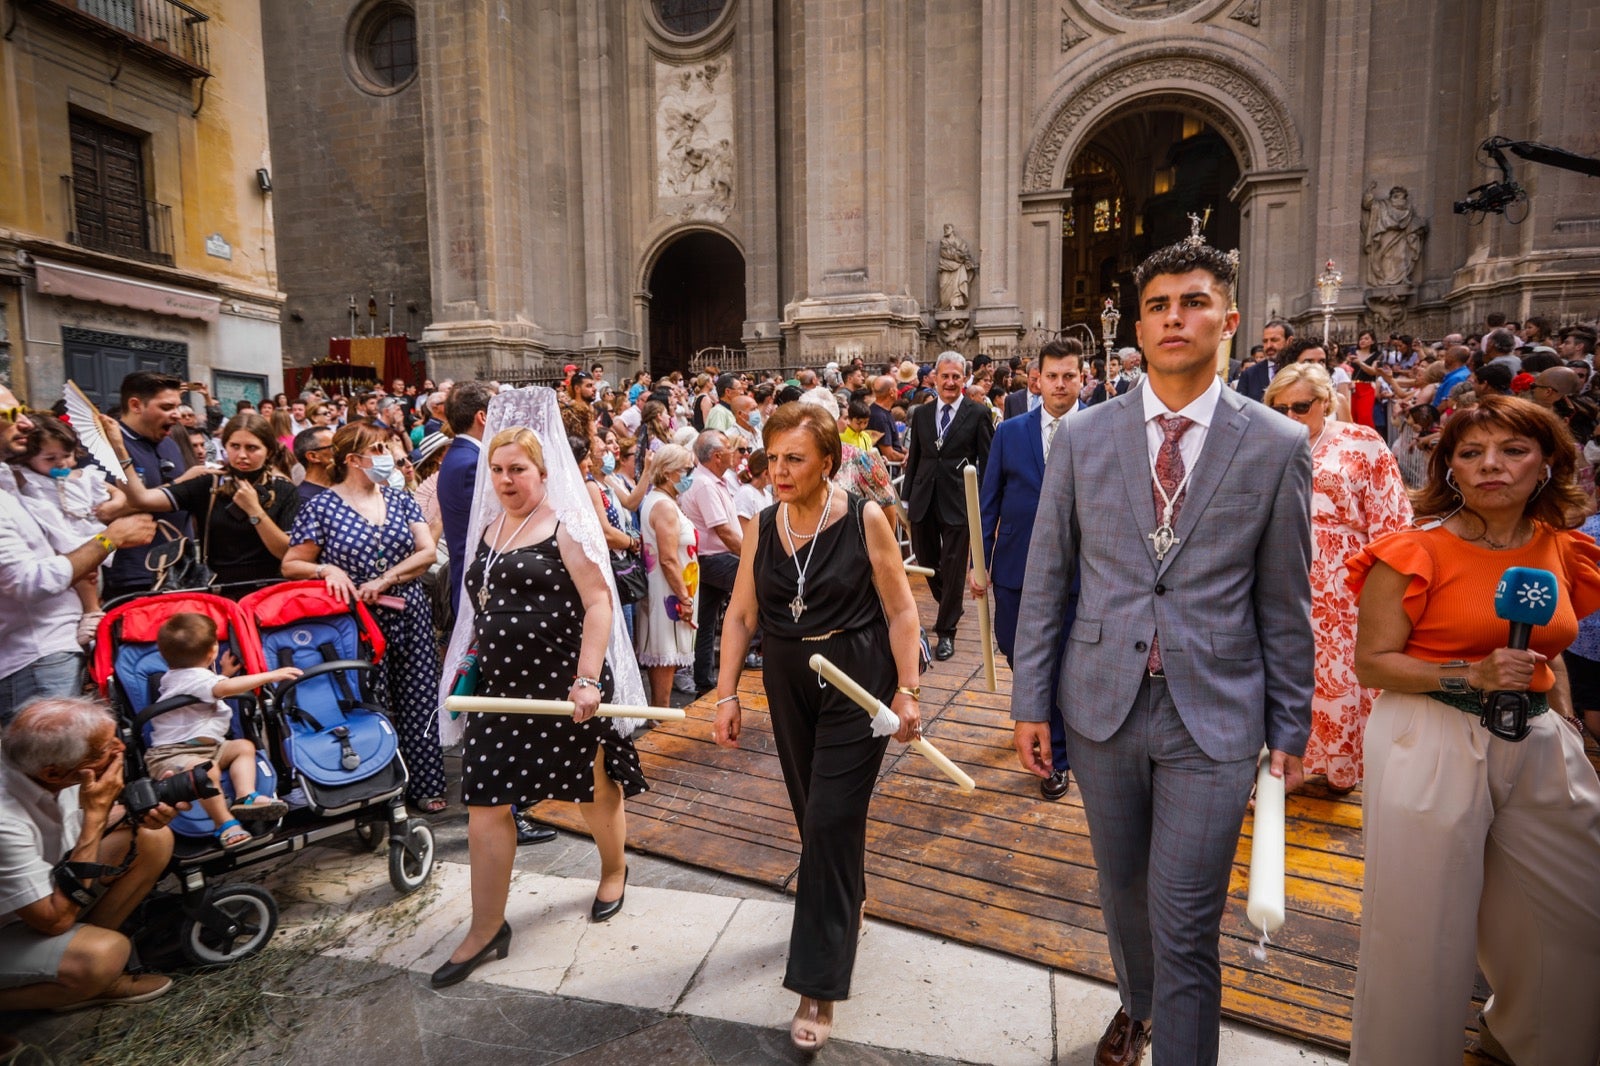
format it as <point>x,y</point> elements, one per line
<point>187,786</point>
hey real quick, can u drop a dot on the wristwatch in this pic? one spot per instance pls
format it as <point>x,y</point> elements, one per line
<point>255,520</point>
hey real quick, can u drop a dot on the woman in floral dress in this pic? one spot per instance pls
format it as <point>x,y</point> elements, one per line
<point>1357,495</point>
<point>664,621</point>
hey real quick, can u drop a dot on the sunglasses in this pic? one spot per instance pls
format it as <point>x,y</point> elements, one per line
<point>13,414</point>
<point>1303,407</point>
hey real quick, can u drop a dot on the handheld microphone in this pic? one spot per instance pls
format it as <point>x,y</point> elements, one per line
<point>1526,597</point>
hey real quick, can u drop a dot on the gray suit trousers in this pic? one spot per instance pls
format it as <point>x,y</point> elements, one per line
<point>1164,822</point>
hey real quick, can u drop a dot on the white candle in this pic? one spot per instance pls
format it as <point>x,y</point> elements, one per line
<point>555,708</point>
<point>867,702</point>
<point>981,572</point>
<point>1265,907</point>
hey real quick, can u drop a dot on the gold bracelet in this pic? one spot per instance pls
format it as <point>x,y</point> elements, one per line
<point>105,542</point>
<point>915,693</point>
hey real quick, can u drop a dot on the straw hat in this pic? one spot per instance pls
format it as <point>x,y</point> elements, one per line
<point>907,372</point>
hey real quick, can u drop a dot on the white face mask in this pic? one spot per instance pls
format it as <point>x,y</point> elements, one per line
<point>382,470</point>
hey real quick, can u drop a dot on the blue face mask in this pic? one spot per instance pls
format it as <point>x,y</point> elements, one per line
<point>60,471</point>
<point>756,421</point>
<point>684,482</point>
<point>608,464</point>
<point>381,469</point>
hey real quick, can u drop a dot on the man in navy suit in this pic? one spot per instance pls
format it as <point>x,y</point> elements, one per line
<point>1275,335</point>
<point>1021,401</point>
<point>465,409</point>
<point>1010,498</point>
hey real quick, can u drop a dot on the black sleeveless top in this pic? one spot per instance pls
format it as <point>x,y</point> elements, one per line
<point>839,589</point>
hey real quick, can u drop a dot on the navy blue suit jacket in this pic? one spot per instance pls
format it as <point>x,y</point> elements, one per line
<point>1253,382</point>
<point>458,474</point>
<point>1009,496</point>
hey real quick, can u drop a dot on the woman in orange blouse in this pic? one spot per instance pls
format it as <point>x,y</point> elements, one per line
<point>1478,848</point>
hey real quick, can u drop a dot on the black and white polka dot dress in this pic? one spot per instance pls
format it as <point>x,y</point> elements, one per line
<point>528,642</point>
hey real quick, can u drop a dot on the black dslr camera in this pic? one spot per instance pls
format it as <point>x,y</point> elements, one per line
<point>143,794</point>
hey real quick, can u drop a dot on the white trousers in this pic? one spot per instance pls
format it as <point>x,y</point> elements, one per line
<point>1477,850</point>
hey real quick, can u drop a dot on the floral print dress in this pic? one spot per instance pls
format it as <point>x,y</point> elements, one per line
<point>662,640</point>
<point>1357,496</point>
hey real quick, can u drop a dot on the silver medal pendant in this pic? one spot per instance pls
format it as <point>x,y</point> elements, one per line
<point>483,597</point>
<point>1164,540</point>
<point>797,607</point>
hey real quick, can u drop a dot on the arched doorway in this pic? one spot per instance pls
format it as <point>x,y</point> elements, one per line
<point>697,299</point>
<point>1131,190</point>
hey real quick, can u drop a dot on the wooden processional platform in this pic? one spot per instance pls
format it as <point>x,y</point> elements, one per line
<point>1001,868</point>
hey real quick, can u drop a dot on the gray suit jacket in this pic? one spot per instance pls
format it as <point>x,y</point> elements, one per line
<point>1232,600</point>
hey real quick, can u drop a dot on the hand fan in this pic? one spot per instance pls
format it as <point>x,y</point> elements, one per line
<point>85,421</point>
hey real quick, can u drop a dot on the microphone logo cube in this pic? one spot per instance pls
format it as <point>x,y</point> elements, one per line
<point>1527,595</point>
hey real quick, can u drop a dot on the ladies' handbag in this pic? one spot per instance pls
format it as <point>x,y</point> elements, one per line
<point>177,561</point>
<point>628,569</point>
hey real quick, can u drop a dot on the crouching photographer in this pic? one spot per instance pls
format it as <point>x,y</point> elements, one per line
<point>72,865</point>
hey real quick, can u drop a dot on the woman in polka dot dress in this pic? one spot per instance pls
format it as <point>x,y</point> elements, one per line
<point>543,616</point>
<point>369,541</point>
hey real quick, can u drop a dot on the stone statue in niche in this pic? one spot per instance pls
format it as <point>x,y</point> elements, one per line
<point>1391,234</point>
<point>956,270</point>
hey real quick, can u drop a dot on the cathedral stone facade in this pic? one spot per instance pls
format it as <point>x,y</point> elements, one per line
<point>782,182</point>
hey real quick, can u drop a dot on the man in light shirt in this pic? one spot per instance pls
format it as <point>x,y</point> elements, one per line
<point>710,509</point>
<point>39,652</point>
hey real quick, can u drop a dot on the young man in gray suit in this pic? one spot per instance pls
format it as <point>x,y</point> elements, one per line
<point>1191,534</point>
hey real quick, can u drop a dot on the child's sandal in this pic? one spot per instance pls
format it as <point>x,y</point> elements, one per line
<point>231,835</point>
<point>258,808</point>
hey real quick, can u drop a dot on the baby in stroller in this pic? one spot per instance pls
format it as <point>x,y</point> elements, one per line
<point>189,736</point>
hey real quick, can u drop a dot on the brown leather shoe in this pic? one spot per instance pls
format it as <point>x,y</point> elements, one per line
<point>1123,1043</point>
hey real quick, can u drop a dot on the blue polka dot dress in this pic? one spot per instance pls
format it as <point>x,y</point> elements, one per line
<point>407,681</point>
<point>528,639</point>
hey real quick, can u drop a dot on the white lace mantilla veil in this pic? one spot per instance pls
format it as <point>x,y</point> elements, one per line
<point>536,408</point>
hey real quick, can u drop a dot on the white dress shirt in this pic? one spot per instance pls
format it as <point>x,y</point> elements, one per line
<point>42,610</point>
<point>1200,411</point>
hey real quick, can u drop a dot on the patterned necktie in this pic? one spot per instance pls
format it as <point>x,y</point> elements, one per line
<point>1050,436</point>
<point>1169,472</point>
<point>944,420</point>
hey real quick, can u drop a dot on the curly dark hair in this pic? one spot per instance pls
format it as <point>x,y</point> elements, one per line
<point>1183,257</point>
<point>1561,504</point>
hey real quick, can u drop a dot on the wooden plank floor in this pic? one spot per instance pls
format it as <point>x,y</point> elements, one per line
<point>1001,868</point>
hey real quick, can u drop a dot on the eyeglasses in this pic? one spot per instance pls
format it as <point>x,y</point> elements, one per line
<point>1303,407</point>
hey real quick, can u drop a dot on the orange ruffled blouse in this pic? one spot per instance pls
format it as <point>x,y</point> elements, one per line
<point>1450,598</point>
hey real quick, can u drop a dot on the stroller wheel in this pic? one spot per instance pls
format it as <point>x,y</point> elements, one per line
<point>234,922</point>
<point>411,862</point>
<point>372,835</point>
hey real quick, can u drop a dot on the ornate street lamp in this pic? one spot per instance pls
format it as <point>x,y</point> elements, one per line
<point>1328,283</point>
<point>1109,318</point>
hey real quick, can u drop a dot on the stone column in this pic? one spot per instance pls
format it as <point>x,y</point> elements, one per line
<point>997,319</point>
<point>1271,207</point>
<point>758,184</point>
<point>608,319</point>
<point>1341,169</point>
<point>1038,263</point>
<point>860,123</point>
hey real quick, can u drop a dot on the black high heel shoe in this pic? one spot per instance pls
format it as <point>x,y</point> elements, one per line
<point>452,973</point>
<point>601,912</point>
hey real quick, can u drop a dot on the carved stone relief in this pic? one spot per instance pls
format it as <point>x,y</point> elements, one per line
<point>1148,9</point>
<point>1072,34</point>
<point>1267,113</point>
<point>1248,13</point>
<point>695,162</point>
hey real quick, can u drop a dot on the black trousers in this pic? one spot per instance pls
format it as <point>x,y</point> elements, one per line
<point>717,574</point>
<point>830,762</point>
<point>944,548</point>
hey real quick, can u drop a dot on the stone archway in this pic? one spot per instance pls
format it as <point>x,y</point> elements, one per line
<point>696,287</point>
<point>1231,95</point>
<point>1239,103</point>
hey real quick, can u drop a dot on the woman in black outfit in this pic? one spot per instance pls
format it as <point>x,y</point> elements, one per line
<point>829,755</point>
<point>242,513</point>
